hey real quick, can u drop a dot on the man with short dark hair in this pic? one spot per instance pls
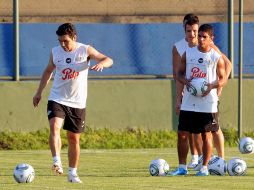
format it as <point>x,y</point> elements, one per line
<point>199,114</point>
<point>67,100</point>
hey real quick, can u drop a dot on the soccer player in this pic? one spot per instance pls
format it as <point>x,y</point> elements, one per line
<point>195,140</point>
<point>199,114</point>
<point>67,100</point>
<point>190,40</point>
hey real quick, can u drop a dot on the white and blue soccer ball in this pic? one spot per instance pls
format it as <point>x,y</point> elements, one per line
<point>237,167</point>
<point>158,167</point>
<point>246,145</point>
<point>198,86</point>
<point>217,166</point>
<point>23,173</point>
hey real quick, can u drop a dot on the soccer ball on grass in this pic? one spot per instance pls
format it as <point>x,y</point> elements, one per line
<point>246,145</point>
<point>237,167</point>
<point>158,167</point>
<point>217,166</point>
<point>24,173</point>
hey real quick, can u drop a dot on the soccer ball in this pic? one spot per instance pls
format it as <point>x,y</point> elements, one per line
<point>24,173</point>
<point>237,167</point>
<point>217,166</point>
<point>158,167</point>
<point>246,145</point>
<point>198,86</point>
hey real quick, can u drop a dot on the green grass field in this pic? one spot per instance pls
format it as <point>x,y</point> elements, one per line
<point>117,169</point>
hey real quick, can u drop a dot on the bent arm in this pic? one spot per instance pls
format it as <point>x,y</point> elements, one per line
<point>227,62</point>
<point>101,59</point>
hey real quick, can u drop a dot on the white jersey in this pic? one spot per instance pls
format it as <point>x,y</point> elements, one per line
<point>181,46</point>
<point>201,65</point>
<point>70,80</point>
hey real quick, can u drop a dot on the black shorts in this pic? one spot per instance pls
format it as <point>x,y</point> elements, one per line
<point>74,118</point>
<point>197,122</point>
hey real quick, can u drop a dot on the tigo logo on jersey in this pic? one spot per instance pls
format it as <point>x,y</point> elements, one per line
<point>68,60</point>
<point>200,60</point>
<point>68,73</point>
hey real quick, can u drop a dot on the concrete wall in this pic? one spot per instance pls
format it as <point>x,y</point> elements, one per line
<point>119,104</point>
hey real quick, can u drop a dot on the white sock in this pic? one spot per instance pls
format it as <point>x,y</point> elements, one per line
<point>204,168</point>
<point>57,159</point>
<point>194,157</point>
<point>182,166</point>
<point>72,171</point>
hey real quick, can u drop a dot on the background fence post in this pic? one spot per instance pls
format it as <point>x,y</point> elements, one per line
<point>231,35</point>
<point>16,38</point>
<point>240,62</point>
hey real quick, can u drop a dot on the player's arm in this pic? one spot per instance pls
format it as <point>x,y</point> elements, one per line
<point>181,70</point>
<point>228,66</point>
<point>179,86</point>
<point>176,60</point>
<point>221,81</point>
<point>46,76</point>
<point>102,60</point>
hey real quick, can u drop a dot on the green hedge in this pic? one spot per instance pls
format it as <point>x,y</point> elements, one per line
<point>104,139</point>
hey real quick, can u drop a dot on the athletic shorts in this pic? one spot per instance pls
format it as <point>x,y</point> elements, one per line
<point>197,122</point>
<point>74,118</point>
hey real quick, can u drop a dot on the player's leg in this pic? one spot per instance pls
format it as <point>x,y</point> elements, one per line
<point>73,156</point>
<point>194,151</point>
<point>182,146</point>
<point>56,118</point>
<point>182,149</point>
<point>183,142</point>
<point>218,139</point>
<point>74,124</point>
<point>56,143</point>
<point>207,153</point>
<point>208,122</point>
<point>198,143</point>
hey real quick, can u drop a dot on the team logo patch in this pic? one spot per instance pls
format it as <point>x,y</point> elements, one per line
<point>68,60</point>
<point>200,60</point>
<point>80,59</point>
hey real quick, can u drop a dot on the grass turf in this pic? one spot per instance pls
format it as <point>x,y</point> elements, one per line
<point>117,169</point>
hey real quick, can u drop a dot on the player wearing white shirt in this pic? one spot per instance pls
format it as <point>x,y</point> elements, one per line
<point>209,64</point>
<point>67,99</point>
<point>185,140</point>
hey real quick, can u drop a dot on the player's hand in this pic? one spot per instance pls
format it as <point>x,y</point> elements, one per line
<point>208,90</point>
<point>36,99</point>
<point>187,82</point>
<point>219,91</point>
<point>97,67</point>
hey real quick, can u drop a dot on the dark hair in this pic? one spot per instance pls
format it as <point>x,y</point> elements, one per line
<point>189,17</point>
<point>191,21</point>
<point>206,28</point>
<point>66,29</point>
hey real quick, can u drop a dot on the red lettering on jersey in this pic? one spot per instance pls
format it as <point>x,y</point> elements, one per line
<point>197,73</point>
<point>68,73</point>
